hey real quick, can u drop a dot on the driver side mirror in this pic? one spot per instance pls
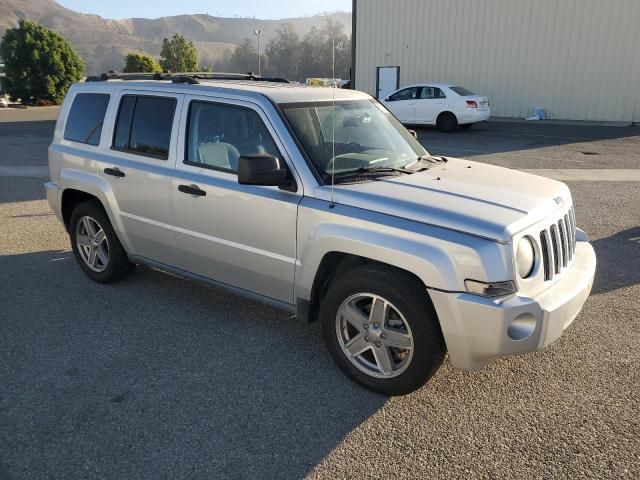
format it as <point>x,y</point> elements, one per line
<point>265,170</point>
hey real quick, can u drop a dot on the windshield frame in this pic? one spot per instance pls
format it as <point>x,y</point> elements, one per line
<point>324,176</point>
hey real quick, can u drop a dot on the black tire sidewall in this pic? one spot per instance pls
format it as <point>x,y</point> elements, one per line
<point>412,301</point>
<point>447,122</point>
<point>118,260</point>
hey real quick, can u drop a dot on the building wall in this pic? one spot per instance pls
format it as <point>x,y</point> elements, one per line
<point>579,59</point>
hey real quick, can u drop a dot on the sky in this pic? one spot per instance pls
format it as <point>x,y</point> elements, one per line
<point>266,9</point>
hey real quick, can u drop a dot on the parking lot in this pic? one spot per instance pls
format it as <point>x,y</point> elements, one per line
<point>161,377</point>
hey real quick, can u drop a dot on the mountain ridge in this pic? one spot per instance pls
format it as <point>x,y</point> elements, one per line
<point>103,43</point>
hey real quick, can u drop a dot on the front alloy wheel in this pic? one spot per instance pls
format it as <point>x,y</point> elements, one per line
<point>374,335</point>
<point>381,329</point>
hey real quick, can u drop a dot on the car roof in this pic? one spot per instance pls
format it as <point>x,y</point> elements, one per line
<point>281,93</point>
<point>430,84</point>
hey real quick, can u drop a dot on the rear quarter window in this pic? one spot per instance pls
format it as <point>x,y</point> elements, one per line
<point>85,119</point>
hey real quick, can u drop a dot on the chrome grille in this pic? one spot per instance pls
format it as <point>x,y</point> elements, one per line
<point>558,245</point>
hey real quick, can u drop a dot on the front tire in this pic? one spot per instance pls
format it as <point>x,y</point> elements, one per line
<point>447,122</point>
<point>95,244</point>
<point>381,329</point>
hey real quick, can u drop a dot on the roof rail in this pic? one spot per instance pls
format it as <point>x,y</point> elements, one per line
<point>188,77</point>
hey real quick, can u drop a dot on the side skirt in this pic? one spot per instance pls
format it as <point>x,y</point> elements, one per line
<point>287,307</point>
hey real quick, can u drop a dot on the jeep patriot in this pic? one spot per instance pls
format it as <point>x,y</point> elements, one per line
<point>318,201</point>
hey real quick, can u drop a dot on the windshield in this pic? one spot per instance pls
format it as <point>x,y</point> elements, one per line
<point>367,137</point>
<point>463,92</point>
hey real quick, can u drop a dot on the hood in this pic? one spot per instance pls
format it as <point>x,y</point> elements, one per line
<point>471,197</point>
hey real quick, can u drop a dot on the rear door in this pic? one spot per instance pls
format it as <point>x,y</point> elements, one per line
<point>138,165</point>
<point>403,104</point>
<point>240,235</point>
<point>431,102</point>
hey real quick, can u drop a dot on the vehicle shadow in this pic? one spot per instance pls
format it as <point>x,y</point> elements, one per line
<point>501,137</point>
<point>158,376</point>
<point>618,261</point>
<point>22,189</point>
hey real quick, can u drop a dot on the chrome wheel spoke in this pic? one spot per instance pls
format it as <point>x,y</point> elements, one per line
<point>88,226</point>
<point>102,255</point>
<point>378,311</point>
<point>354,316</point>
<point>357,345</point>
<point>384,360</point>
<point>92,258</point>
<point>100,237</point>
<point>396,339</point>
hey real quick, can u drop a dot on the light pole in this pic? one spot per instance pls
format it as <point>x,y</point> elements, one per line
<point>258,33</point>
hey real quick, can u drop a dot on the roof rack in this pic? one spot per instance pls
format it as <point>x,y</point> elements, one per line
<point>189,77</point>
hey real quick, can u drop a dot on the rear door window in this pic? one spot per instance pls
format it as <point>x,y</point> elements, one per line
<point>85,119</point>
<point>144,125</point>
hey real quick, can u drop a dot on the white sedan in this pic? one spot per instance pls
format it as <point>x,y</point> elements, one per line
<point>445,105</point>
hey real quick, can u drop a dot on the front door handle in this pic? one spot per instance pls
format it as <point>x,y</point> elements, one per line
<point>114,172</point>
<point>192,190</point>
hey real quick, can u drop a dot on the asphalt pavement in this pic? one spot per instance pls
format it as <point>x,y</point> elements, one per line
<point>162,377</point>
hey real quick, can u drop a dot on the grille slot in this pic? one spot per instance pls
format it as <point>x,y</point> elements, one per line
<point>558,245</point>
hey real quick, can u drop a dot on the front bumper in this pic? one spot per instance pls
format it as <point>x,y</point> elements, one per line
<point>478,330</point>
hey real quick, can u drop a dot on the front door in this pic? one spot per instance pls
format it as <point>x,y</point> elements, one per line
<point>138,164</point>
<point>388,80</point>
<point>240,235</point>
<point>403,104</point>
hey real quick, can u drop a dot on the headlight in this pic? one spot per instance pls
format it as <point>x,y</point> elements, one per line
<point>525,257</point>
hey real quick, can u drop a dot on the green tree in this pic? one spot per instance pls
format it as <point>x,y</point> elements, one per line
<point>245,58</point>
<point>178,55</point>
<point>140,63</point>
<point>40,65</point>
<point>284,51</point>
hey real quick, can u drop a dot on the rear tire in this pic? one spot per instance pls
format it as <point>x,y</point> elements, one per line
<point>392,356</point>
<point>447,122</point>
<point>95,244</point>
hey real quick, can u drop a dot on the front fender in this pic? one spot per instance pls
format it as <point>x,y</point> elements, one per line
<point>441,258</point>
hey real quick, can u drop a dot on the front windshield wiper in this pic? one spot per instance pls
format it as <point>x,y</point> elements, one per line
<point>365,170</point>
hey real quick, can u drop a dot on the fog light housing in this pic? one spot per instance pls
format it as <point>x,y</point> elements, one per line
<point>490,289</point>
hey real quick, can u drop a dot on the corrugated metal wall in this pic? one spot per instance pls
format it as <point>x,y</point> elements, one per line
<point>580,59</point>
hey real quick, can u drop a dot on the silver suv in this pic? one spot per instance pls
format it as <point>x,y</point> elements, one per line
<point>320,202</point>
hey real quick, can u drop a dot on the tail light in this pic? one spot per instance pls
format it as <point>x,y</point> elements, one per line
<point>472,104</point>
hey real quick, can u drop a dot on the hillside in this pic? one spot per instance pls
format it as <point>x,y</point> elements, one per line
<point>103,42</point>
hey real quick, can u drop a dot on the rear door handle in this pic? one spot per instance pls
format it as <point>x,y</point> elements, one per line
<point>192,190</point>
<point>114,172</point>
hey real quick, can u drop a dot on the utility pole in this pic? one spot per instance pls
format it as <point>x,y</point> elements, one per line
<point>258,33</point>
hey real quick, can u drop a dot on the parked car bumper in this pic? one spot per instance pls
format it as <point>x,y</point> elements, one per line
<point>478,330</point>
<point>472,115</point>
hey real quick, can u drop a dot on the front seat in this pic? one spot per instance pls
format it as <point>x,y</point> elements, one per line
<point>211,150</point>
<point>221,155</point>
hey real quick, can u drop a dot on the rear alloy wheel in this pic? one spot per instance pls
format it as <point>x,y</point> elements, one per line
<point>381,329</point>
<point>447,122</point>
<point>96,245</point>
